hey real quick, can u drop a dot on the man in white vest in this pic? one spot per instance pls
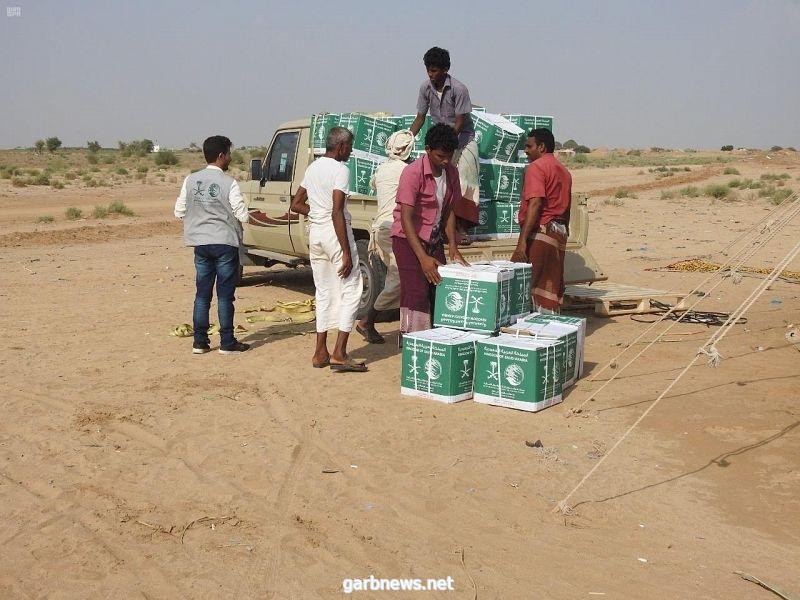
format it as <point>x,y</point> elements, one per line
<point>212,209</point>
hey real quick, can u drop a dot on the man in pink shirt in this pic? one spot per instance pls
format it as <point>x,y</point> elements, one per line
<point>544,221</point>
<point>423,217</point>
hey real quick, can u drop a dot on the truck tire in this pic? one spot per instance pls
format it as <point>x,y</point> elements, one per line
<point>373,274</point>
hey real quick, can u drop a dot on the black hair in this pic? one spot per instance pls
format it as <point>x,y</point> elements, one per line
<point>544,136</point>
<point>441,137</point>
<point>437,57</point>
<point>214,146</point>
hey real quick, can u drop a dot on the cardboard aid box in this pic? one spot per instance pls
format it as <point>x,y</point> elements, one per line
<point>520,294</point>
<point>362,167</point>
<point>474,298</point>
<point>567,334</point>
<point>496,220</point>
<point>497,138</point>
<point>519,372</point>
<point>578,322</point>
<point>439,364</point>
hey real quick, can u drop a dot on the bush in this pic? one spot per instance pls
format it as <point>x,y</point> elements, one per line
<point>121,171</point>
<point>39,146</point>
<point>717,190</point>
<point>100,212</point>
<point>118,207</point>
<point>8,172</point>
<point>730,171</point>
<point>57,185</point>
<point>69,175</point>
<point>142,169</point>
<point>634,152</point>
<point>237,157</point>
<point>93,146</point>
<point>728,148</point>
<point>108,160</point>
<point>45,219</point>
<point>667,194</point>
<point>73,213</point>
<point>19,182</point>
<point>690,191</point>
<point>735,183</point>
<point>165,157</point>
<point>776,149</point>
<point>624,193</point>
<point>92,158</point>
<point>581,149</point>
<point>136,147</point>
<point>53,144</point>
<point>779,196</point>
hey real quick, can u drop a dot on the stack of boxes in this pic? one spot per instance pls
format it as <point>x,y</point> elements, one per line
<point>500,140</point>
<point>485,342</point>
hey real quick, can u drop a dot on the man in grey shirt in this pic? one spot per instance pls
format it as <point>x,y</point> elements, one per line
<point>448,101</point>
<point>212,209</point>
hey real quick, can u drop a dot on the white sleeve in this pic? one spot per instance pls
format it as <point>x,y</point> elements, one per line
<point>180,202</point>
<point>342,180</point>
<point>237,203</point>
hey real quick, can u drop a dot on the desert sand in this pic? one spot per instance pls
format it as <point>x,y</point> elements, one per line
<point>130,468</point>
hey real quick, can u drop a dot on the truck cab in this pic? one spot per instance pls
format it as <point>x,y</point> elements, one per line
<point>274,235</point>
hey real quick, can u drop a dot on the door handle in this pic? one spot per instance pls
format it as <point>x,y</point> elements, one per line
<point>284,198</point>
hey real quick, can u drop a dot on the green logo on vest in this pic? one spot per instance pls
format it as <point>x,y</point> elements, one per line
<point>213,190</point>
<point>198,191</point>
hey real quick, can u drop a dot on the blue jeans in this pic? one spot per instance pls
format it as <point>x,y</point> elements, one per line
<point>220,262</point>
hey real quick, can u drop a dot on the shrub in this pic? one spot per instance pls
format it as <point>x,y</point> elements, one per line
<point>728,148</point>
<point>735,183</point>
<point>780,195</point>
<point>39,145</point>
<point>614,202</point>
<point>667,194</point>
<point>45,219</point>
<point>776,149</point>
<point>142,169</point>
<point>121,171</point>
<point>100,212</point>
<point>8,172</point>
<point>69,175</point>
<point>92,158</point>
<point>634,152</point>
<point>730,171</point>
<point>690,191</point>
<point>19,182</point>
<point>717,190</point>
<point>165,157</point>
<point>53,144</point>
<point>624,193</point>
<point>57,185</point>
<point>657,149</point>
<point>581,149</point>
<point>73,213</point>
<point>94,169</point>
<point>108,160</point>
<point>118,207</point>
<point>237,157</point>
<point>93,146</point>
<point>687,168</point>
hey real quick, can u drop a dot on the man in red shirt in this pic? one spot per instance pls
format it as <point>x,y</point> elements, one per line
<point>544,220</point>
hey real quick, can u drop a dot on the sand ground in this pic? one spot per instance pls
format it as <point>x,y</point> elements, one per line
<point>130,468</point>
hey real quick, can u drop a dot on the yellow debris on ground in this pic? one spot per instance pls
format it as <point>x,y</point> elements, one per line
<point>704,266</point>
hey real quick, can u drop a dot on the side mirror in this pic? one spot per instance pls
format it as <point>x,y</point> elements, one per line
<point>255,169</point>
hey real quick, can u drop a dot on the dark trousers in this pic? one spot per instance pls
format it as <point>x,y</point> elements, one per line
<point>221,263</point>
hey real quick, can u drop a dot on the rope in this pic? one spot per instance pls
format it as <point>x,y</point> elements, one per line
<point>757,244</point>
<point>706,318</point>
<point>764,221</point>
<point>707,349</point>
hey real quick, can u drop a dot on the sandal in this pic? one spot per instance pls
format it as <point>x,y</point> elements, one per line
<point>370,335</point>
<point>349,366</point>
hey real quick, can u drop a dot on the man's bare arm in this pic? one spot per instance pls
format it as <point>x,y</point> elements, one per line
<point>340,227</point>
<point>416,125</point>
<point>428,263</point>
<point>531,218</point>
<point>300,202</point>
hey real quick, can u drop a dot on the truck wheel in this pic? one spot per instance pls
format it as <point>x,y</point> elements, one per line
<point>373,274</point>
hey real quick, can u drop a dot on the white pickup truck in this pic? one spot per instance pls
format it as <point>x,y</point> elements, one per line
<point>281,237</point>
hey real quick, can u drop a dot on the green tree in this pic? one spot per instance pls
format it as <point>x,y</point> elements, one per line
<point>582,149</point>
<point>53,144</point>
<point>93,146</point>
<point>570,145</point>
<point>727,148</point>
<point>39,145</point>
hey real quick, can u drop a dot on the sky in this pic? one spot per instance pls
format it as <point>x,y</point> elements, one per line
<point>616,73</point>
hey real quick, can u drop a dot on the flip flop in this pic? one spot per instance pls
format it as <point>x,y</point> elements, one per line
<point>349,366</point>
<point>321,365</point>
<point>370,335</point>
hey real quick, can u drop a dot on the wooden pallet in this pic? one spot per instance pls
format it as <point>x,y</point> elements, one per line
<point>611,299</point>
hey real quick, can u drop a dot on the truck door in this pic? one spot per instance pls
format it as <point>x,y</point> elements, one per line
<point>272,197</point>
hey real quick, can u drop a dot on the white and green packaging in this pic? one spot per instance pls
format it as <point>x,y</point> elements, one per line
<point>474,298</point>
<point>439,364</point>
<point>519,372</point>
